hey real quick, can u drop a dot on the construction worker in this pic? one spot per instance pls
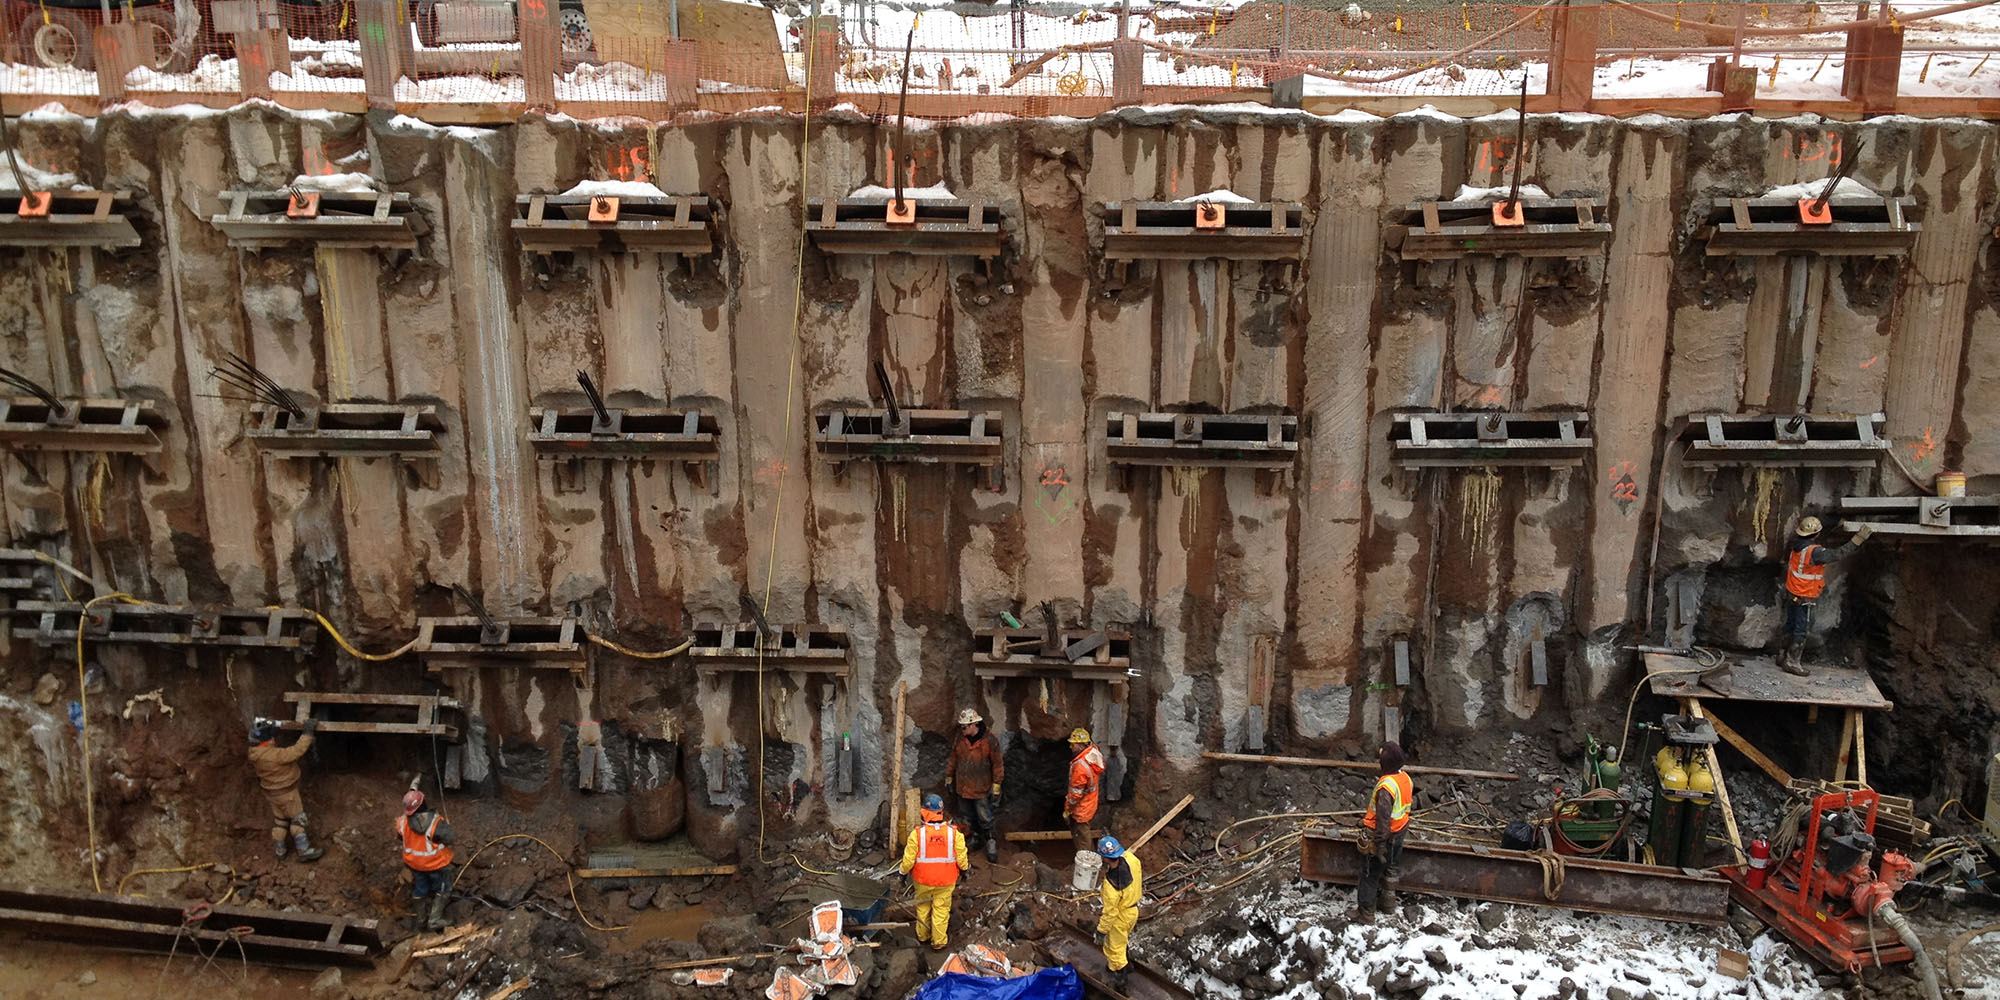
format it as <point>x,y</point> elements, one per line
<point>1086,772</point>
<point>1120,891</point>
<point>1806,561</point>
<point>1382,835</point>
<point>932,858</point>
<point>278,771</point>
<point>426,841</point>
<point>973,772</point>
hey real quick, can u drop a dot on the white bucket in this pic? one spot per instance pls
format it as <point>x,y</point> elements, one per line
<point>1088,866</point>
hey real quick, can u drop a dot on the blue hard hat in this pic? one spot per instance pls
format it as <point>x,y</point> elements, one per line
<point>1111,848</point>
<point>933,802</point>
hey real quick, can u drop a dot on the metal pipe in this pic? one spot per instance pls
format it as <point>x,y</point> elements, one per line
<point>902,105</point>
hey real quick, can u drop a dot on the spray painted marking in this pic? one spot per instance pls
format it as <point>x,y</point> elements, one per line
<point>1807,147</point>
<point>1055,502</point>
<point>625,164</point>
<point>771,471</point>
<point>1870,363</point>
<point>1624,488</point>
<point>1495,154</point>
<point>1923,447</point>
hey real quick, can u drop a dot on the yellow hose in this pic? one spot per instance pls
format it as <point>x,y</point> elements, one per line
<point>636,654</point>
<point>83,727</point>
<point>349,647</point>
<point>129,876</point>
<point>569,872</point>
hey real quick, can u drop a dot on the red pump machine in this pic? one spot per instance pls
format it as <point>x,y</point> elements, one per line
<point>1822,896</point>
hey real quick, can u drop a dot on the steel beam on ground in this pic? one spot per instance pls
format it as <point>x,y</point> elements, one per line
<point>1503,876</point>
<point>268,937</point>
<point>1074,947</point>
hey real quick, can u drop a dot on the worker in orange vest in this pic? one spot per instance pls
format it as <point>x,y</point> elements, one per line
<point>278,772</point>
<point>1086,772</point>
<point>1381,841</point>
<point>932,858</point>
<point>427,852</point>
<point>1806,561</point>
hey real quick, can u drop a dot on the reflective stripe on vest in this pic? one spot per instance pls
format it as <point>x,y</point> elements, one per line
<point>1401,791</point>
<point>937,855</point>
<point>1803,577</point>
<point>419,850</point>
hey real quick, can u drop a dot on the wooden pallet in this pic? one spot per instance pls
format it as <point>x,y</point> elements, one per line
<point>359,430</point>
<point>126,426</point>
<point>633,432</point>
<point>428,720</point>
<point>1800,440</point>
<point>679,224</point>
<point>1080,654</point>
<point>939,228</point>
<point>1186,230</point>
<point>459,641</point>
<point>1551,227</point>
<point>343,220</point>
<point>74,219</point>
<point>1226,440</point>
<point>287,629</point>
<point>1769,227</point>
<point>929,437</point>
<point>733,648</point>
<point>1489,438</point>
<point>269,937</point>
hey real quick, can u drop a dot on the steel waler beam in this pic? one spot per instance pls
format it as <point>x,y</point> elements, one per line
<point>1504,876</point>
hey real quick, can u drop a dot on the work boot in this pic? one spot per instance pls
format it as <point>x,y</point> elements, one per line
<point>992,850</point>
<point>1789,663</point>
<point>417,916</point>
<point>307,852</point>
<point>1387,903</point>
<point>1121,979</point>
<point>1362,914</point>
<point>436,922</point>
<point>278,848</point>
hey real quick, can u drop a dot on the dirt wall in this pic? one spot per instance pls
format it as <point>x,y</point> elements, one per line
<point>1214,572</point>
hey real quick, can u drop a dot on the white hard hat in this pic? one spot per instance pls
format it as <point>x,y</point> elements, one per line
<point>967,717</point>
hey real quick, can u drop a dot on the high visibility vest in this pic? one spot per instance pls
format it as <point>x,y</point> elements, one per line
<point>937,855</point>
<point>1804,579</point>
<point>1400,794</point>
<point>1084,771</point>
<point>420,852</point>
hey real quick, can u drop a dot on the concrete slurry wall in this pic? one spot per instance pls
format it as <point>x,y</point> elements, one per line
<point>1317,578</point>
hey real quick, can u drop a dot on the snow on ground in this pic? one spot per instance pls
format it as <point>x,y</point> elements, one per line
<point>1847,188</point>
<point>37,180</point>
<point>1222,195</point>
<point>1467,192</point>
<point>1299,945</point>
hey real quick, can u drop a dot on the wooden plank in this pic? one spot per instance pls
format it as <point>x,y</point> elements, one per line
<point>1356,765</point>
<point>896,773</point>
<point>689,872</point>
<point>1846,745</point>
<point>333,698</point>
<point>1757,757</point>
<point>1861,749</point>
<point>1035,836</point>
<point>1693,707</point>
<point>1159,824</point>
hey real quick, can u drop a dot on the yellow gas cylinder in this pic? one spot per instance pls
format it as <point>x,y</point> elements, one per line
<point>1700,782</point>
<point>1673,777</point>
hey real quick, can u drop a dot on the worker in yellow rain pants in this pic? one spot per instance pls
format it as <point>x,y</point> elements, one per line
<point>1120,890</point>
<point>932,858</point>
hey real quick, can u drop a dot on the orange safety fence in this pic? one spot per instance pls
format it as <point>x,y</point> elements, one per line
<point>461,59</point>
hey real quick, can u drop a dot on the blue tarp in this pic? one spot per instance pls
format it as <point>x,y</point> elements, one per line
<point>1059,983</point>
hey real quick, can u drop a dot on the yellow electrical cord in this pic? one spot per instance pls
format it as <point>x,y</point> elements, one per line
<point>349,647</point>
<point>569,872</point>
<point>129,876</point>
<point>83,727</point>
<point>791,383</point>
<point>636,654</point>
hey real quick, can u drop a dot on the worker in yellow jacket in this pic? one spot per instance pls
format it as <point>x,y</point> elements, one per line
<point>1120,891</point>
<point>932,858</point>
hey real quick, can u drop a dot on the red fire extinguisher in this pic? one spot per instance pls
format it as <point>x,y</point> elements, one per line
<point>1760,863</point>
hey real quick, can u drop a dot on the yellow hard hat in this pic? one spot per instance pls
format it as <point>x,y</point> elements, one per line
<point>1079,735</point>
<point>1809,525</point>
